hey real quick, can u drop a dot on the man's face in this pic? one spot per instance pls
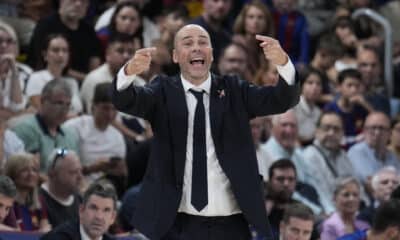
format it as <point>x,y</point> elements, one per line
<point>193,52</point>
<point>327,58</point>
<point>104,113</point>
<point>73,9</point>
<point>368,65</point>
<point>377,130</point>
<point>118,53</point>
<point>97,215</point>
<point>217,10</point>
<point>296,229</point>
<point>350,87</point>
<point>55,107</point>
<point>282,184</point>
<point>6,204</point>
<point>285,130</point>
<point>387,182</point>
<point>68,173</point>
<point>256,129</point>
<point>233,61</point>
<point>330,132</point>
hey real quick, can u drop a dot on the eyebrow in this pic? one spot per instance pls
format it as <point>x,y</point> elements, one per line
<point>188,37</point>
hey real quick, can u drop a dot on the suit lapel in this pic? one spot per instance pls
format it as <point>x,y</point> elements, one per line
<point>178,123</point>
<point>218,99</point>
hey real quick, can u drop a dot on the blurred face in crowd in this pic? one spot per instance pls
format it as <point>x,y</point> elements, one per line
<point>326,59</point>
<point>312,87</point>
<point>54,107</point>
<point>173,23</point>
<point>284,5</point>
<point>6,203</point>
<point>377,130</point>
<point>27,177</point>
<point>97,215</point>
<point>285,129</point>
<point>67,173</point>
<point>368,65</point>
<point>7,43</point>
<point>256,125</point>
<point>350,87</point>
<point>255,21</point>
<point>346,35</point>
<point>127,20</point>
<point>57,53</point>
<point>118,53</point>
<point>217,10</point>
<point>296,229</point>
<point>386,182</point>
<point>395,138</point>
<point>193,53</point>
<point>330,131</point>
<point>282,184</point>
<point>347,199</point>
<point>73,9</point>
<point>233,61</point>
<point>104,113</point>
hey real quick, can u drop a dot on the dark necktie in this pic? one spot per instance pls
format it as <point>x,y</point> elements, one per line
<point>199,198</point>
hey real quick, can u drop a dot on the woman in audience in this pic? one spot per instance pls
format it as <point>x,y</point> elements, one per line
<point>343,220</point>
<point>395,137</point>
<point>266,75</point>
<point>30,212</point>
<point>254,18</point>
<point>127,19</point>
<point>55,58</point>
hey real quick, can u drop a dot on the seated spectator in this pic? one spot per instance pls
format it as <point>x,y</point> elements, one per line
<point>30,212</point>
<point>13,75</point>
<point>307,111</point>
<point>257,127</point>
<point>386,224</point>
<point>61,192</point>
<point>394,144</point>
<point>55,59</point>
<point>343,220</point>
<point>9,144</point>
<point>297,222</point>
<point>233,62</point>
<point>371,154</point>
<point>325,158</point>
<point>102,146</point>
<point>42,133</point>
<point>383,183</point>
<point>96,213</point>
<point>69,20</point>
<point>350,105</point>
<point>266,75</point>
<point>8,192</point>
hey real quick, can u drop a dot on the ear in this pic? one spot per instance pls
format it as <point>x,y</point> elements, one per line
<point>174,56</point>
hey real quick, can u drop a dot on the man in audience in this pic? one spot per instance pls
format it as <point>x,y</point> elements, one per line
<point>383,183</point>
<point>386,224</point>
<point>42,133</point>
<point>61,191</point>
<point>96,213</point>
<point>8,192</point>
<point>325,158</point>
<point>297,223</point>
<point>263,159</point>
<point>233,61</point>
<point>84,45</point>
<point>371,154</point>
<point>9,144</point>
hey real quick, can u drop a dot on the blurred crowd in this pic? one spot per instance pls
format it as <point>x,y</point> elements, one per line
<point>335,157</point>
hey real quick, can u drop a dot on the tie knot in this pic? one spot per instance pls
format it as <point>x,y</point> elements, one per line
<point>197,94</point>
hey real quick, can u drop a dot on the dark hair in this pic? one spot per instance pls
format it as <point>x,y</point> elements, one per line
<point>119,37</point>
<point>177,10</point>
<point>386,215</point>
<point>45,46</point>
<point>349,73</point>
<point>7,187</point>
<point>282,163</point>
<point>395,121</point>
<point>323,114</point>
<point>55,85</point>
<point>307,73</point>
<point>330,45</point>
<point>298,210</point>
<point>112,27</point>
<point>102,189</point>
<point>102,93</point>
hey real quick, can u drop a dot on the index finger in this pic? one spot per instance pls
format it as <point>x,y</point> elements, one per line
<point>264,38</point>
<point>146,51</point>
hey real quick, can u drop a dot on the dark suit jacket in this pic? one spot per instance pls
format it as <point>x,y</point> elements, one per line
<point>68,231</point>
<point>163,104</point>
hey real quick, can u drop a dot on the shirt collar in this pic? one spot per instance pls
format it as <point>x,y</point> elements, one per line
<point>205,86</point>
<point>44,128</point>
<point>84,235</point>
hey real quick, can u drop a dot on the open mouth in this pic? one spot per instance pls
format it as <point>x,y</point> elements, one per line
<point>197,62</point>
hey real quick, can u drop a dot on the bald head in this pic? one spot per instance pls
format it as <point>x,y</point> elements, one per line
<point>185,30</point>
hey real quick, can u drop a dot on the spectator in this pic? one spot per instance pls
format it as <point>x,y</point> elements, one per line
<point>8,192</point>
<point>383,183</point>
<point>61,192</point>
<point>233,62</point>
<point>297,222</point>
<point>55,59</point>
<point>84,45</point>
<point>394,144</point>
<point>257,127</point>
<point>30,211</point>
<point>10,144</point>
<point>42,133</point>
<point>325,158</point>
<point>96,213</point>
<point>386,224</point>
<point>267,75</point>
<point>343,220</point>
<point>350,105</point>
<point>307,111</point>
<point>372,154</point>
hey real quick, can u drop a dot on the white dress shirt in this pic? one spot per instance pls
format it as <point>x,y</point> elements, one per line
<point>84,235</point>
<point>221,201</point>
